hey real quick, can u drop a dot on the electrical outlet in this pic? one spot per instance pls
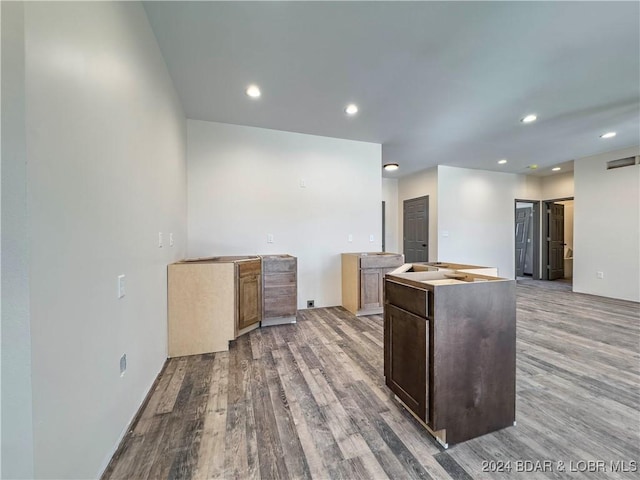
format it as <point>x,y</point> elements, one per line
<point>269,237</point>
<point>160,240</point>
<point>311,303</point>
<point>123,364</point>
<point>120,286</point>
<point>171,239</point>
<point>371,238</point>
<point>600,275</point>
<point>350,237</point>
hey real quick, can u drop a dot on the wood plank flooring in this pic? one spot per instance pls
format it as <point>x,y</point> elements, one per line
<point>309,401</point>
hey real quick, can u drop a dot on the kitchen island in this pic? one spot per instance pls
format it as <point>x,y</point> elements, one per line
<point>449,350</point>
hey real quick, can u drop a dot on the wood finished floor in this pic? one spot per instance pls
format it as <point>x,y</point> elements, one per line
<point>309,401</point>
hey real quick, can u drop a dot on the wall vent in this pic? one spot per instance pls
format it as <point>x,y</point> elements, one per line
<point>622,162</point>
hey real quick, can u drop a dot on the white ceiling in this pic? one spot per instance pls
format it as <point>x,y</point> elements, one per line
<point>436,82</point>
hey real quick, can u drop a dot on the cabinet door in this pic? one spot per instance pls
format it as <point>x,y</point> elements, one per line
<point>371,288</point>
<point>249,294</point>
<point>406,358</point>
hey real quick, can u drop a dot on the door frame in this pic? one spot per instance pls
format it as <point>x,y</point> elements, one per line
<point>536,236</point>
<point>404,232</point>
<point>545,234</point>
<point>384,226</point>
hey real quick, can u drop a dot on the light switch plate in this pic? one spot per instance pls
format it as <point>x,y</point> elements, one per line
<point>350,237</point>
<point>160,240</point>
<point>123,364</point>
<point>121,292</point>
<point>269,237</point>
<point>371,238</point>
<point>171,239</point>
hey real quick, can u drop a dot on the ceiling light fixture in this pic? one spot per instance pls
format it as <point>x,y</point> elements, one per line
<point>608,135</point>
<point>391,167</point>
<point>351,109</point>
<point>503,161</point>
<point>529,118</point>
<point>253,91</point>
<point>556,169</point>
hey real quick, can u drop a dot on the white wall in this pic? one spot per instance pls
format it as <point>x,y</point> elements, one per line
<point>607,227</point>
<point>420,184</point>
<point>106,141</point>
<point>476,213</point>
<point>390,197</point>
<point>530,187</point>
<point>557,186</point>
<point>244,183</point>
<point>17,423</point>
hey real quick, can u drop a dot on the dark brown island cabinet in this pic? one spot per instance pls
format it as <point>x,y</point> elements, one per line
<point>450,350</point>
<point>363,280</point>
<point>280,289</point>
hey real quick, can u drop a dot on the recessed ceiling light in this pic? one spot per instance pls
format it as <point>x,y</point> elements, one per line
<point>351,109</point>
<point>503,161</point>
<point>529,118</point>
<point>556,169</point>
<point>608,135</point>
<point>253,91</point>
<point>390,167</point>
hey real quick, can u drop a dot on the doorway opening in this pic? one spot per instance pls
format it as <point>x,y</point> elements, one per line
<point>415,214</point>
<point>527,239</point>
<point>557,247</point>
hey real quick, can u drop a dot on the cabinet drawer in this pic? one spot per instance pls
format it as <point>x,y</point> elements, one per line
<point>408,298</point>
<point>275,279</point>
<point>279,291</point>
<point>279,265</point>
<point>380,261</point>
<point>280,307</point>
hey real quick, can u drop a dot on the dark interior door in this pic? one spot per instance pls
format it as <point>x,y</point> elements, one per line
<point>522,238</point>
<point>529,252</point>
<point>555,239</point>
<point>416,229</point>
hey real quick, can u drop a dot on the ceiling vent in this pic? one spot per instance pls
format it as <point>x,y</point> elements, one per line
<point>622,162</point>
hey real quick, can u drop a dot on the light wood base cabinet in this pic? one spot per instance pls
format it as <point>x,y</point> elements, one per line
<point>211,301</point>
<point>363,280</point>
